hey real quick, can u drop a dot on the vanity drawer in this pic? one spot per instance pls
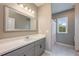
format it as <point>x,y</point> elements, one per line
<point>29,46</point>
<point>39,41</point>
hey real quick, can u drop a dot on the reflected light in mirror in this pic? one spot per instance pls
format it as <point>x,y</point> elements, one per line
<point>33,12</point>
<point>21,5</point>
<point>30,10</point>
<point>26,8</point>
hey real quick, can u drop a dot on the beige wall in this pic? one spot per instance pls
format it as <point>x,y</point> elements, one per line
<point>44,23</point>
<point>67,38</point>
<point>77,27</point>
<point>4,34</point>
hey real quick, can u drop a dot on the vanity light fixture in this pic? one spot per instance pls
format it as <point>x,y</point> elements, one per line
<point>27,9</point>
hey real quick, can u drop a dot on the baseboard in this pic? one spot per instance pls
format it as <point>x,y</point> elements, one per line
<point>48,52</point>
<point>65,44</point>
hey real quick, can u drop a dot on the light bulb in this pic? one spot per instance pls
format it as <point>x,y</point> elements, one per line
<point>33,12</point>
<point>21,5</point>
<point>30,10</point>
<point>26,8</point>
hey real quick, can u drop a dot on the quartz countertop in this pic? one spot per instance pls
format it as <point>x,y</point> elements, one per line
<point>10,44</point>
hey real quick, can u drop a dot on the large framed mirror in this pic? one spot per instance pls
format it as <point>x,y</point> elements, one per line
<point>17,21</point>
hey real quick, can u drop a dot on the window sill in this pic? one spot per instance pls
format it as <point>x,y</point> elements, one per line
<point>62,32</point>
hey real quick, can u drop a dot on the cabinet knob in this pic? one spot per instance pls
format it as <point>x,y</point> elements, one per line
<point>24,55</point>
<point>40,46</point>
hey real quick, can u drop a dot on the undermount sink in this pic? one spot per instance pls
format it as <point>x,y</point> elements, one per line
<point>28,38</point>
<point>32,37</point>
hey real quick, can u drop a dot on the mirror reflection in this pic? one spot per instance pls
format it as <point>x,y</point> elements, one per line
<point>16,21</point>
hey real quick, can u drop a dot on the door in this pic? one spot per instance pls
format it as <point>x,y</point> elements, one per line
<point>53,32</point>
<point>29,50</point>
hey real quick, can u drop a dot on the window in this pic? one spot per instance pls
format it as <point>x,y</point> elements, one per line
<point>62,25</point>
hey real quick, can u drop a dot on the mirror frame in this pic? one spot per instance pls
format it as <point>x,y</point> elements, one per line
<point>5,17</point>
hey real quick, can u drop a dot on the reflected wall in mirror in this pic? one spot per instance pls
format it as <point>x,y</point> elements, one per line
<point>17,21</point>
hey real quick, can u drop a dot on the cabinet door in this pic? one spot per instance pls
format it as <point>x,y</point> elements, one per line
<point>40,47</point>
<point>29,50</point>
<point>37,50</point>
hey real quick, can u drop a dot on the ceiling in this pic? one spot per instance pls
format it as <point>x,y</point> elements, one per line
<point>38,4</point>
<point>59,7</point>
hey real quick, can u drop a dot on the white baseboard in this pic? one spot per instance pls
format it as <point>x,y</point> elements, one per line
<point>48,52</point>
<point>65,44</point>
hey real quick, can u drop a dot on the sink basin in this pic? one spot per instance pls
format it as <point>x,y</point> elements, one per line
<point>27,38</point>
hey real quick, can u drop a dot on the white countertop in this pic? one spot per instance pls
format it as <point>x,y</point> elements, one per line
<point>10,44</point>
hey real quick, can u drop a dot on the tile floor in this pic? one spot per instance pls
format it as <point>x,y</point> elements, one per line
<point>60,50</point>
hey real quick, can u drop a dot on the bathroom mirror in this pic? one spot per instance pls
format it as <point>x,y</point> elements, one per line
<point>18,21</point>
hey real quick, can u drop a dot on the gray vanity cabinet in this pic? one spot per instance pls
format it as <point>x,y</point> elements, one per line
<point>32,49</point>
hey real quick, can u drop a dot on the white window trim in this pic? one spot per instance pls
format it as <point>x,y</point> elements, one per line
<point>66,26</point>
